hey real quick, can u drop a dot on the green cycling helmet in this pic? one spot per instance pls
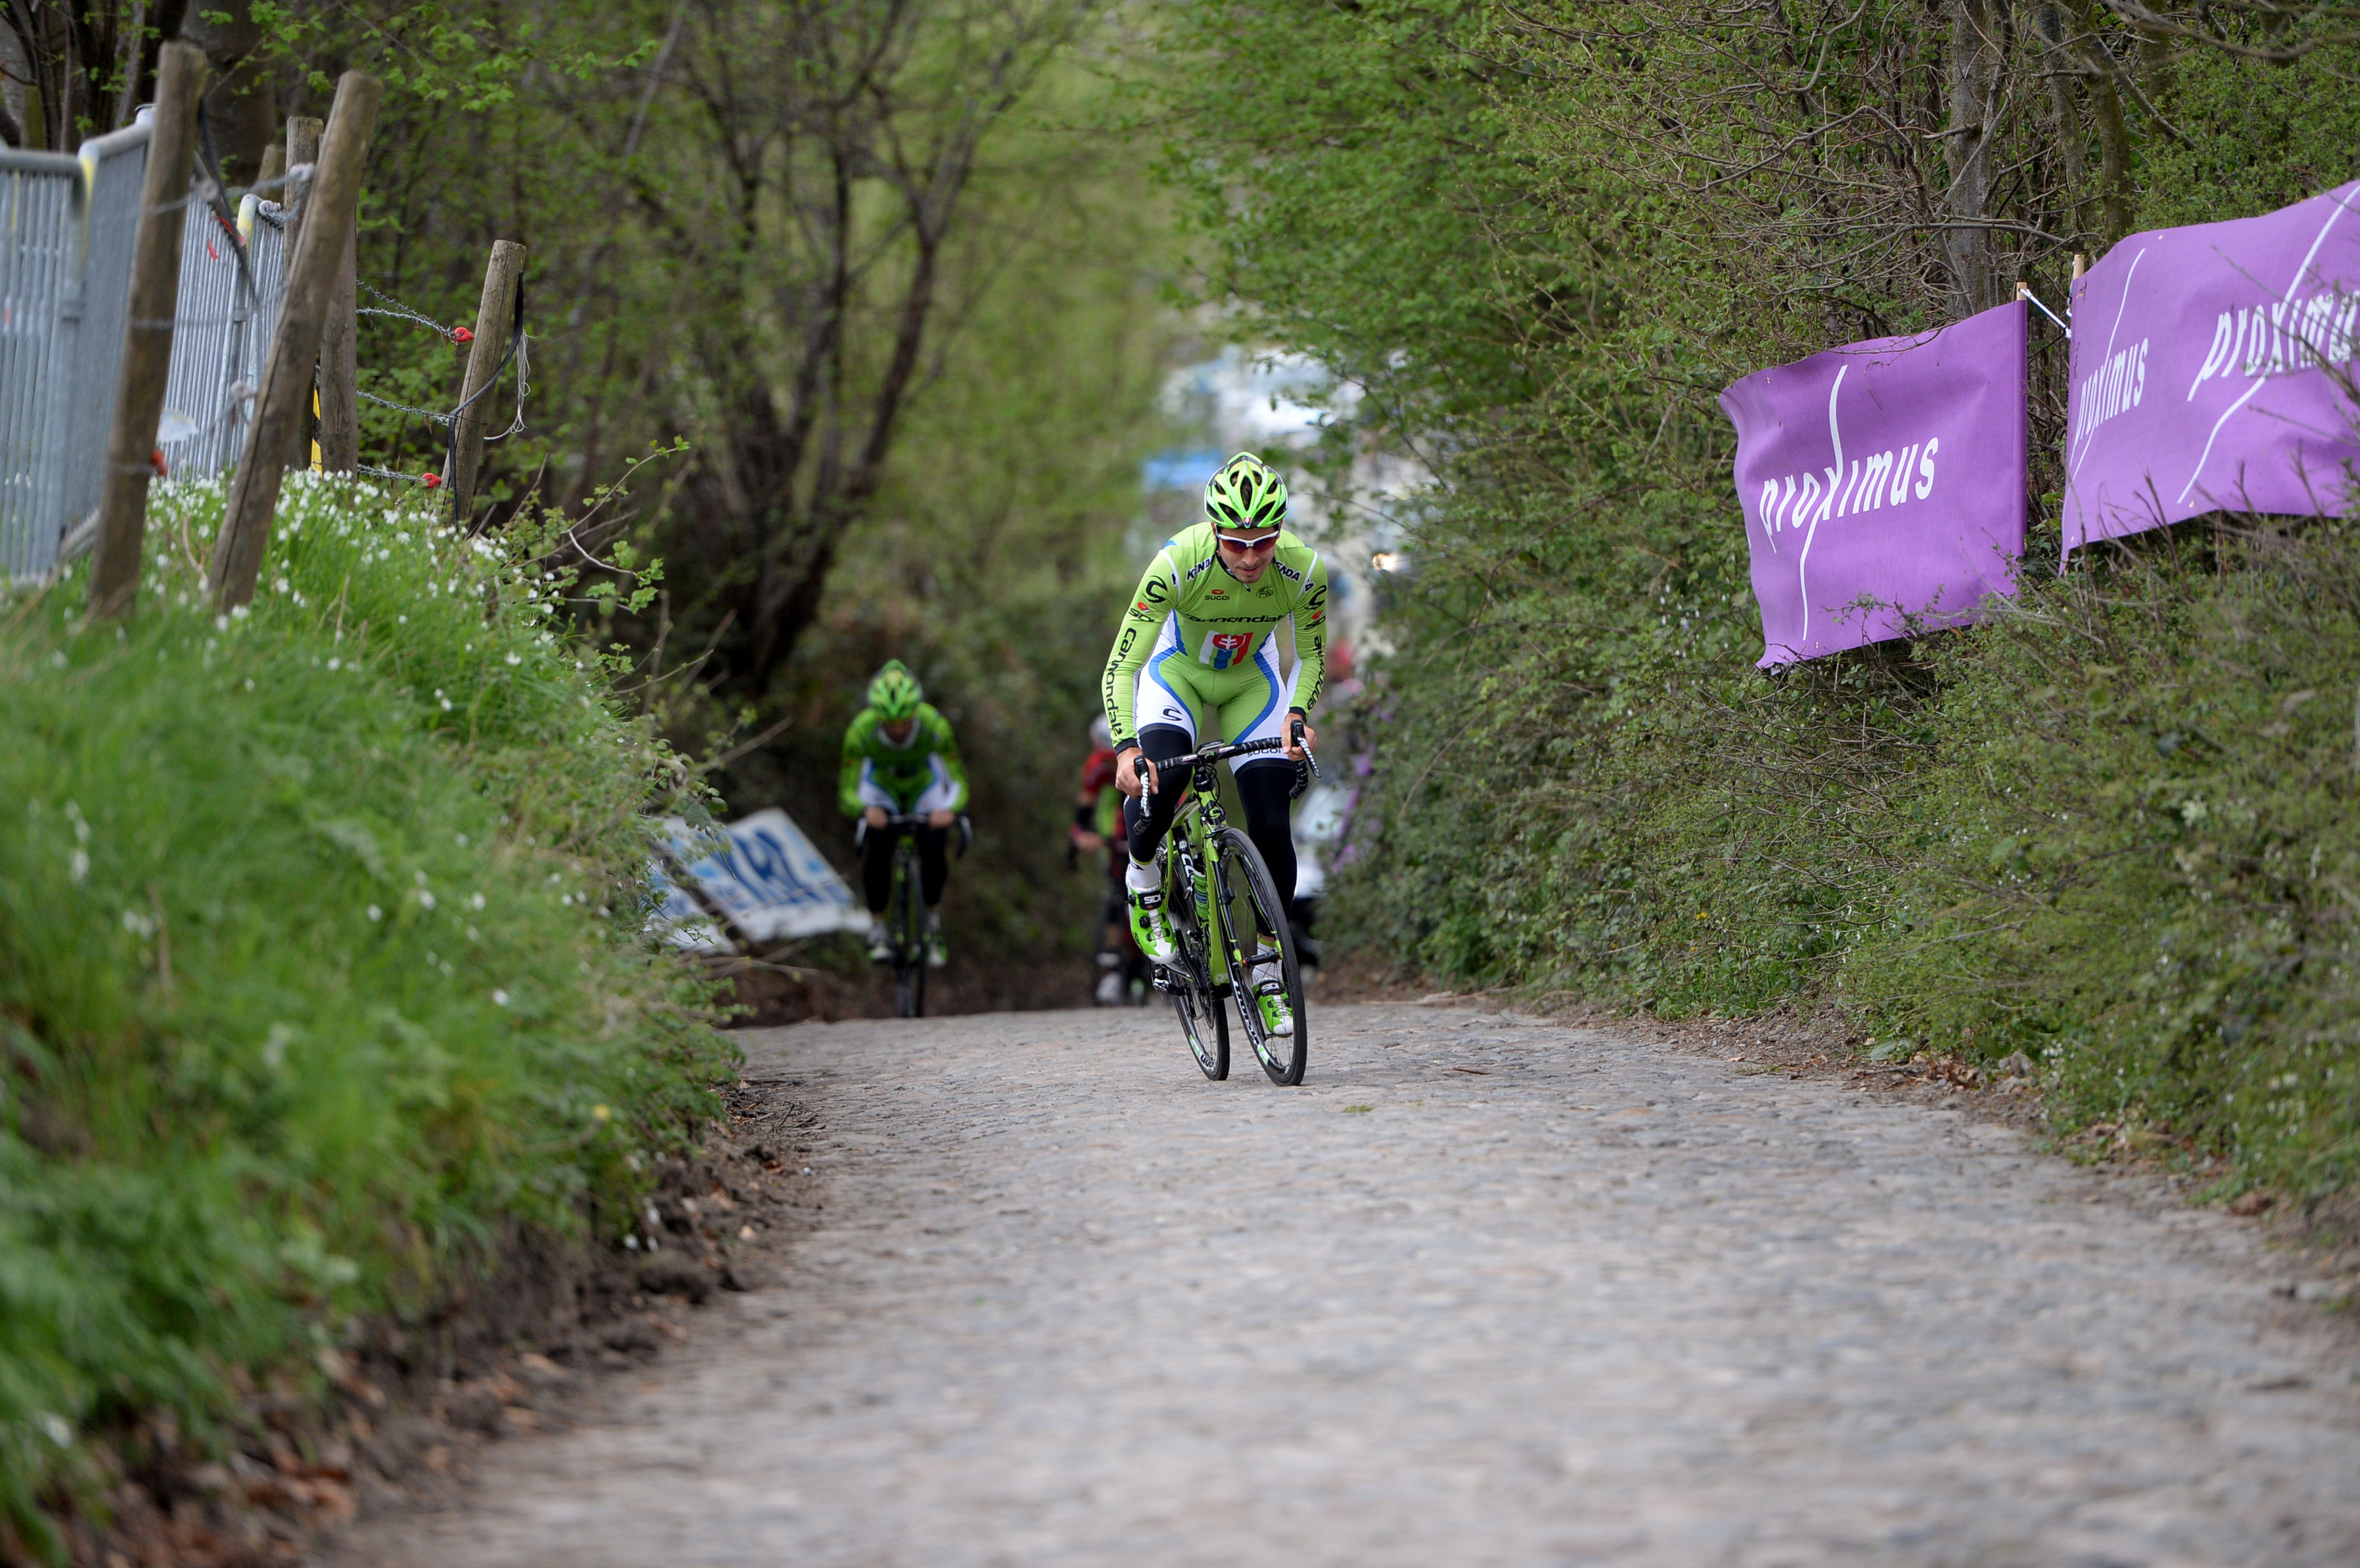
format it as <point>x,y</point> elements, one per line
<point>895,692</point>
<point>1246,493</point>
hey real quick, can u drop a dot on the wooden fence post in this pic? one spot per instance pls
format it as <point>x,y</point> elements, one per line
<point>285,395</point>
<point>302,147</point>
<point>502,277</point>
<point>303,135</point>
<point>340,403</point>
<point>147,331</point>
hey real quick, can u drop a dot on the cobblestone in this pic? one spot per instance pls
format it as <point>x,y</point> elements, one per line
<point>1484,1291</point>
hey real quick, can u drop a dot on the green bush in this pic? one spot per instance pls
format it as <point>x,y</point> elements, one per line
<point>319,958</point>
<point>2134,856</point>
<point>2111,829</point>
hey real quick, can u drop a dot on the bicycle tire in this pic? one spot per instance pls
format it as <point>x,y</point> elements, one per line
<point>1282,1057</point>
<point>909,938</point>
<point>910,990</point>
<point>1205,1027</point>
<point>1203,1024</point>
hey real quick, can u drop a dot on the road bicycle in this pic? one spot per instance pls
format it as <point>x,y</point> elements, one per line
<point>905,911</point>
<point>1227,919</point>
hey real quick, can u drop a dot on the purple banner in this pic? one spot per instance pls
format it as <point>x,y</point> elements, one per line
<point>1883,484</point>
<point>2198,378</point>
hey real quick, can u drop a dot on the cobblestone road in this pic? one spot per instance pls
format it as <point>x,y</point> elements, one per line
<point>1483,1291</point>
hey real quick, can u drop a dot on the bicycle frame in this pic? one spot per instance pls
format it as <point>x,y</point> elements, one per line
<point>1188,861</point>
<point>1191,836</point>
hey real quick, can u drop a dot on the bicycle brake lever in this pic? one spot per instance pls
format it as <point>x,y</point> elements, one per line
<point>1294,734</point>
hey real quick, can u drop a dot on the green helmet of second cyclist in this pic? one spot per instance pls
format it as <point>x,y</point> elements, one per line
<point>901,760</point>
<point>1224,639</point>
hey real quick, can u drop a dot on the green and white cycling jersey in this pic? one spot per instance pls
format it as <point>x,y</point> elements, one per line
<point>1196,640</point>
<point>922,775</point>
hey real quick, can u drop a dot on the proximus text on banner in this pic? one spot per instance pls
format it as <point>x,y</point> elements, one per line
<point>2209,369</point>
<point>1883,484</point>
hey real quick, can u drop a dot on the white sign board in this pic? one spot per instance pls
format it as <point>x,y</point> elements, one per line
<point>769,879</point>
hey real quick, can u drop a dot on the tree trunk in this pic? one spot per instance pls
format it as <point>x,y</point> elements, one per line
<point>240,106</point>
<point>1976,64</point>
<point>825,166</point>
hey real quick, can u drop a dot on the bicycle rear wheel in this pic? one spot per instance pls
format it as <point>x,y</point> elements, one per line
<point>1255,931</point>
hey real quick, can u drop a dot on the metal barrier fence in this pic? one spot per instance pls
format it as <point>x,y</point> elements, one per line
<point>66,231</point>
<point>221,335</point>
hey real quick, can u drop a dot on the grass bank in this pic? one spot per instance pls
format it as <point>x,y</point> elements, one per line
<point>2111,831</point>
<point>318,966</point>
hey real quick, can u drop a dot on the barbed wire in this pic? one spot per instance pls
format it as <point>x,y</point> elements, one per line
<point>432,479</point>
<point>401,311</point>
<point>401,407</point>
<point>517,352</point>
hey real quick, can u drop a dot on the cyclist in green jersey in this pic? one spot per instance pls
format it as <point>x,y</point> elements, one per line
<point>900,759</point>
<point>1198,650</point>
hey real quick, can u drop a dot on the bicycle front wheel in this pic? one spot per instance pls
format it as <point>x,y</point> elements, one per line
<point>910,988</point>
<point>1255,931</point>
<point>1190,981</point>
<point>909,939</point>
<point>1202,1020</point>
